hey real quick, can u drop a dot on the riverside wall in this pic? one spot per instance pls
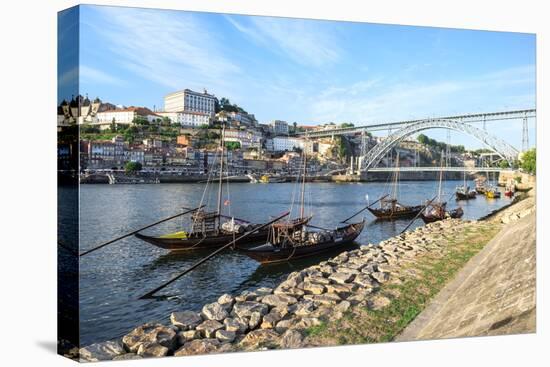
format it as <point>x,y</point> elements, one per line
<point>341,288</point>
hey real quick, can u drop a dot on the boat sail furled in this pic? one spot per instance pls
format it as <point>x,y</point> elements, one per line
<point>209,229</point>
<point>390,207</point>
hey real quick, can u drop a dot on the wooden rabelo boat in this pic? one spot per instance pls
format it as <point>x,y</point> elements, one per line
<point>437,208</point>
<point>463,192</point>
<point>209,229</point>
<point>296,238</point>
<point>390,208</point>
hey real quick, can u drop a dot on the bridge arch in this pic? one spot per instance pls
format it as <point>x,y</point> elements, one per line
<point>375,155</point>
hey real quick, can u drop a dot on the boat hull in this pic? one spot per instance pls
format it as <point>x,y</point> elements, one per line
<point>462,196</point>
<point>197,243</point>
<point>389,214</point>
<point>269,254</point>
<point>455,213</point>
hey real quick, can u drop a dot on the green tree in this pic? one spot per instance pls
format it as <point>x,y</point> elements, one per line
<point>503,164</point>
<point>529,161</point>
<point>132,167</point>
<point>347,124</point>
<point>232,145</point>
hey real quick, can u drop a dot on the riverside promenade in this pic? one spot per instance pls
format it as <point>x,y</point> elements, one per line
<point>494,294</point>
<point>445,279</point>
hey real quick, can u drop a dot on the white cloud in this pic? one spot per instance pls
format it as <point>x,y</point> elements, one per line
<point>303,41</point>
<point>383,99</point>
<point>171,49</point>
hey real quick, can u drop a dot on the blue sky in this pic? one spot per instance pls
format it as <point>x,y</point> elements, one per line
<point>308,71</point>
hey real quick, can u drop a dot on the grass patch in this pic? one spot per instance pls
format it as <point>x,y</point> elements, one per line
<point>435,270</point>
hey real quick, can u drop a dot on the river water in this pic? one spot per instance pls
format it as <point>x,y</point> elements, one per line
<point>112,279</point>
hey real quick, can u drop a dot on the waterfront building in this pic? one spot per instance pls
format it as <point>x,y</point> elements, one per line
<point>106,154</point>
<point>190,101</point>
<point>134,155</point>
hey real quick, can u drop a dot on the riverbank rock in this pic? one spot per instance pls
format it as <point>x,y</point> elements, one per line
<point>260,338</point>
<point>246,308</point>
<point>313,288</point>
<point>214,311</point>
<point>186,336</point>
<point>255,320</point>
<point>226,301</point>
<point>185,320</point>
<point>342,278</point>
<point>225,336</point>
<point>195,347</point>
<point>235,324</point>
<point>155,350</point>
<point>278,300</point>
<point>291,339</point>
<point>102,351</point>
<point>209,327</point>
<point>149,333</point>
<point>270,320</point>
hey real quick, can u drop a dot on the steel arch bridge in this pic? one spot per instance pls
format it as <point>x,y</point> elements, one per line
<point>375,155</point>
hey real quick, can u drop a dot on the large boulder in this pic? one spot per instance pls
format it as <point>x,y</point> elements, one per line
<point>209,327</point>
<point>279,300</point>
<point>225,336</point>
<point>260,338</point>
<point>185,320</point>
<point>148,350</point>
<point>214,311</point>
<point>187,336</point>
<point>291,339</point>
<point>254,320</point>
<point>246,308</point>
<point>150,333</point>
<point>313,288</point>
<point>202,346</point>
<point>226,301</point>
<point>102,351</point>
<point>270,320</point>
<point>236,325</point>
<point>303,308</point>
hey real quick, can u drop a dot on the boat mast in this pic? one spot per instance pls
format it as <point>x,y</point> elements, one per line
<point>303,185</point>
<point>440,178</point>
<point>221,173</point>
<point>396,178</point>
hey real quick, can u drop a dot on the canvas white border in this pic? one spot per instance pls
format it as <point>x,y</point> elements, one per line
<point>28,269</point>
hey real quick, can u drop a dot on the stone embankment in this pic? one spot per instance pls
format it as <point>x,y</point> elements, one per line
<point>369,294</point>
<point>494,294</point>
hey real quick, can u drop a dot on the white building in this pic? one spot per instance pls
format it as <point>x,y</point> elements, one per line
<point>285,143</point>
<point>188,118</point>
<point>279,127</point>
<point>189,101</point>
<point>126,115</point>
